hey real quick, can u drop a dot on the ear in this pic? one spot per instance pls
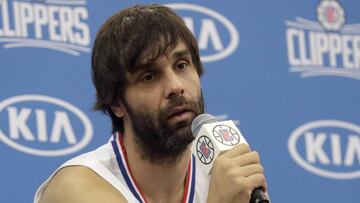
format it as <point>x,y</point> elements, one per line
<point>118,110</point>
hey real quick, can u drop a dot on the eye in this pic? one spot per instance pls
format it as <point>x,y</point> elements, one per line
<point>147,77</point>
<point>181,65</point>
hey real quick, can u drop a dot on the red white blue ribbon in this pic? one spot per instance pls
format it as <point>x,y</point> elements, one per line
<point>121,157</point>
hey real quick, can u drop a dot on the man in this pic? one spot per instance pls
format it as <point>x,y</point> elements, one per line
<point>146,70</point>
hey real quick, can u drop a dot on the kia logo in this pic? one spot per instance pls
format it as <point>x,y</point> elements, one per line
<point>209,33</point>
<point>328,148</point>
<point>44,126</point>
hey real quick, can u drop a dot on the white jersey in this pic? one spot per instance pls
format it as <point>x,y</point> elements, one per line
<point>109,161</point>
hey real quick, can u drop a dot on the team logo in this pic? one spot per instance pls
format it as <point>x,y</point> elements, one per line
<point>60,25</point>
<point>44,126</point>
<point>327,47</point>
<point>226,135</point>
<point>328,148</point>
<point>205,150</point>
<point>217,36</point>
<point>331,15</point>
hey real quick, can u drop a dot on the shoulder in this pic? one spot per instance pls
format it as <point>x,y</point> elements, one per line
<point>79,184</point>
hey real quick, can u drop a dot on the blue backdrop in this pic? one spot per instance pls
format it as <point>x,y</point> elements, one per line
<point>286,71</point>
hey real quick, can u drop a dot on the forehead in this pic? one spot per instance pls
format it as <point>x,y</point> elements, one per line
<point>152,54</point>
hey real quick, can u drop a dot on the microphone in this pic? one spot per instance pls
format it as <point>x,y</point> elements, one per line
<point>212,138</point>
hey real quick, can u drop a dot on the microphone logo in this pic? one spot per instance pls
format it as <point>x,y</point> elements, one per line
<point>205,150</point>
<point>226,135</point>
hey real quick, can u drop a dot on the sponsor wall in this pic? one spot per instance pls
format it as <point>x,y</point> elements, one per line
<point>286,72</point>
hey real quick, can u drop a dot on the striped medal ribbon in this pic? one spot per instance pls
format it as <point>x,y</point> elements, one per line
<point>122,160</point>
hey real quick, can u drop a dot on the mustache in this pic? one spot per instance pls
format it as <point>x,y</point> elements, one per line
<point>177,102</point>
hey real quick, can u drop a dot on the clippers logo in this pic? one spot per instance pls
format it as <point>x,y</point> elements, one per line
<point>205,150</point>
<point>331,15</point>
<point>59,25</point>
<point>217,36</point>
<point>328,47</point>
<point>226,135</point>
<point>43,126</point>
<point>328,148</point>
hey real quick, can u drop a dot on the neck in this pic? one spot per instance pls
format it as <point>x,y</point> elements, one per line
<point>168,178</point>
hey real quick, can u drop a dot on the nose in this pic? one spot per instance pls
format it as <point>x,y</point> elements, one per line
<point>174,85</point>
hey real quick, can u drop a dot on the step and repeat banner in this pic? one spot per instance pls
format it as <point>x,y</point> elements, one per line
<point>286,71</point>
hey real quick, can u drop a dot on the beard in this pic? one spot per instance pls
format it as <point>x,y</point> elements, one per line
<point>159,141</point>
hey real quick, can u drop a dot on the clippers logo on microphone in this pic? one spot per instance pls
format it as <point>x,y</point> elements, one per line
<point>226,135</point>
<point>205,150</point>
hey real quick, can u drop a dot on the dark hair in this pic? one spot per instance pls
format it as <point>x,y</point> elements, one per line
<point>120,42</point>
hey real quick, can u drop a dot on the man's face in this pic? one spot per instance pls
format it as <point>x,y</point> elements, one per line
<point>161,101</point>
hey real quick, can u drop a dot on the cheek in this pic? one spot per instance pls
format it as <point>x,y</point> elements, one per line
<point>194,85</point>
<point>143,100</point>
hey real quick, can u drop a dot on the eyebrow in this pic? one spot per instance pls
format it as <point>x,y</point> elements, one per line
<point>180,53</point>
<point>175,54</point>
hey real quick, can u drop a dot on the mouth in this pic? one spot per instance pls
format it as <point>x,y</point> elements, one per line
<point>179,114</point>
